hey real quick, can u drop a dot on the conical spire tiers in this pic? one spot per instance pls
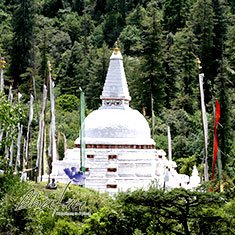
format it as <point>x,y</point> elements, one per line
<point>115,92</point>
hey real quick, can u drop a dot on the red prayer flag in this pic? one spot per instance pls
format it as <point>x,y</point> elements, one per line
<point>217,116</point>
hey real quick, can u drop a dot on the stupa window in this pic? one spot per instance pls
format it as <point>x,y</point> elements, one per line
<point>112,102</point>
<point>111,157</point>
<point>86,169</point>
<point>90,156</point>
<point>111,186</point>
<point>112,169</point>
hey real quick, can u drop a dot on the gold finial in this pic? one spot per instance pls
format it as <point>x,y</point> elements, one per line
<point>116,49</point>
<point>49,66</point>
<point>198,63</point>
<point>2,63</point>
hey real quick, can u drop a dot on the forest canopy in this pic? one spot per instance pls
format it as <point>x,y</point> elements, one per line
<point>159,39</point>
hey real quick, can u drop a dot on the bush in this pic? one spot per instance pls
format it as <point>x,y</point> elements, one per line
<point>68,102</point>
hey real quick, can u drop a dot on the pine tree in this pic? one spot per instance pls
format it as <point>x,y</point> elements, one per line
<point>44,51</point>
<point>74,69</point>
<point>87,26</point>
<point>114,21</point>
<point>99,10</point>
<point>136,16</point>
<point>169,63</point>
<point>209,26</point>
<point>223,95</point>
<point>68,77</point>
<point>202,23</point>
<point>175,14</point>
<point>224,92</point>
<point>97,77</point>
<point>112,28</point>
<point>22,44</point>
<point>184,50</point>
<point>152,71</point>
<point>51,7</point>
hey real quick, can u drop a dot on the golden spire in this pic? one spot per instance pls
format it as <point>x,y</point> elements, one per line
<point>198,63</point>
<point>2,63</point>
<point>116,49</point>
<point>49,66</point>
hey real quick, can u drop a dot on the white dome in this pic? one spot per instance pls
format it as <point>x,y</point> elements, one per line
<point>117,126</point>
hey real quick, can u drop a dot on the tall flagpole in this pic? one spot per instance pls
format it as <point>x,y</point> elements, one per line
<point>41,133</point>
<point>153,117</point>
<point>28,129</point>
<point>35,97</point>
<point>82,132</point>
<point>2,65</point>
<point>169,144</point>
<point>204,121</point>
<point>52,145</point>
<point>20,130</point>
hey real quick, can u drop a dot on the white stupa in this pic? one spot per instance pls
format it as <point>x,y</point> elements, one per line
<point>120,153</point>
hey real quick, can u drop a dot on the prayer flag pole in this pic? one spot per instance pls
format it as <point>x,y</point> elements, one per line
<point>28,129</point>
<point>52,145</point>
<point>204,120</point>
<point>169,144</point>
<point>82,132</point>
<point>41,134</point>
<point>2,65</point>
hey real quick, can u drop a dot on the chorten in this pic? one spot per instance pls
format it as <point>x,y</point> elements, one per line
<point>120,153</point>
<point>115,124</point>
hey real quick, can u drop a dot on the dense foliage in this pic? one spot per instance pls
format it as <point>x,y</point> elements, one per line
<point>138,212</point>
<point>10,117</point>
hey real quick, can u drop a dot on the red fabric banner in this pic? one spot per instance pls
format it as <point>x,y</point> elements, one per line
<point>217,116</point>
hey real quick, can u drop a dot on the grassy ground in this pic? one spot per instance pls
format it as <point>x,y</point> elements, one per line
<point>41,186</point>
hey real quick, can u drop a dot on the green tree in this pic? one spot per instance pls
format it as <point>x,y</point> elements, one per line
<point>229,83</point>
<point>44,56</point>
<point>222,86</point>
<point>211,37</point>
<point>61,43</point>
<point>51,7</point>
<point>6,33</point>
<point>74,69</point>
<point>184,50</point>
<point>202,11</point>
<point>176,212</point>
<point>99,10</point>
<point>175,14</point>
<point>171,68</point>
<point>224,95</point>
<point>152,71</point>
<point>72,25</point>
<point>130,37</point>
<point>97,75</point>
<point>113,25</point>
<point>22,43</point>
<point>106,221</point>
<point>136,16</point>
<point>68,102</point>
<point>87,27</point>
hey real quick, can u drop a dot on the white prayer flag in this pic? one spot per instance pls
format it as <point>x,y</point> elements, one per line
<point>28,130</point>
<point>205,125</point>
